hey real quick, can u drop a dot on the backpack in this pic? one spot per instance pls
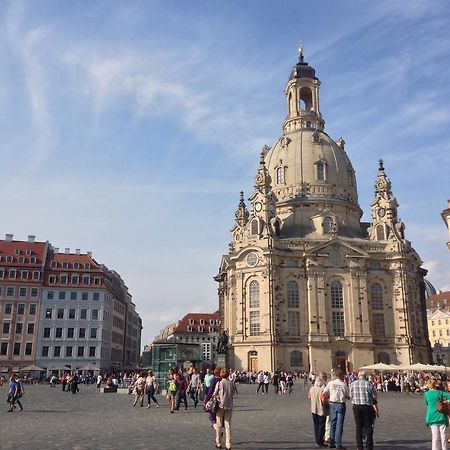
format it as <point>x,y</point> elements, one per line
<point>172,386</point>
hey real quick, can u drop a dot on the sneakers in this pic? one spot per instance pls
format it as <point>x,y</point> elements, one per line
<point>148,406</point>
<point>157,405</point>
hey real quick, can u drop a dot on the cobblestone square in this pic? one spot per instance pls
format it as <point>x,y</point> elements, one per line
<point>53,419</point>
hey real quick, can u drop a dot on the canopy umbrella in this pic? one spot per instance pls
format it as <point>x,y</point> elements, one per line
<point>381,367</point>
<point>419,367</point>
<point>60,368</point>
<point>89,367</point>
<point>31,368</point>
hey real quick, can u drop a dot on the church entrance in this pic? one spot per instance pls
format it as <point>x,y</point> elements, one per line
<point>253,361</point>
<point>341,361</point>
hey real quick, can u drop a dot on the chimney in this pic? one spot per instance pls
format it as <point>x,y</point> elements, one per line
<point>77,251</point>
<point>56,250</point>
<point>9,237</point>
<point>31,238</point>
<point>89,254</point>
<point>67,251</point>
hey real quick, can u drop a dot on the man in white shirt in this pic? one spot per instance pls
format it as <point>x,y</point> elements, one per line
<point>337,391</point>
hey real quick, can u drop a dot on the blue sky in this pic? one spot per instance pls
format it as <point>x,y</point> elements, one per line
<point>129,128</point>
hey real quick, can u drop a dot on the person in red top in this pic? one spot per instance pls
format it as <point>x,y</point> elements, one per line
<point>181,391</point>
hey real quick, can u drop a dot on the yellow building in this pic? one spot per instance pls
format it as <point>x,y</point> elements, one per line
<point>306,285</point>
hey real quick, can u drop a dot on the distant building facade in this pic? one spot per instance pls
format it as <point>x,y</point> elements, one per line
<point>446,217</point>
<point>70,311</point>
<point>438,314</point>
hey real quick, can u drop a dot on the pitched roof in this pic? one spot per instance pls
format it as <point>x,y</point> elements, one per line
<point>194,321</point>
<point>20,252</point>
<point>441,300</point>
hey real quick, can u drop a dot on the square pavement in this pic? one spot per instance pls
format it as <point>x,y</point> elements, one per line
<point>53,419</point>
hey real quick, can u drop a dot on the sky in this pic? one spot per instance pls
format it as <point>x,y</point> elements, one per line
<point>129,128</point>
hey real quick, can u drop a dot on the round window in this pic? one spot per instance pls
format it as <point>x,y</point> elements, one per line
<point>252,259</point>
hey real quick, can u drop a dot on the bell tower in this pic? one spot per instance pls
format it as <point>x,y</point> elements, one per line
<point>302,93</point>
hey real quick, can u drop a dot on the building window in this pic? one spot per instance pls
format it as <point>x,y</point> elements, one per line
<point>8,309</point>
<point>63,279</point>
<point>280,175</point>
<point>83,314</point>
<point>4,349</point>
<point>12,273</point>
<point>50,295</point>
<point>376,296</point>
<point>52,279</point>
<point>16,351</point>
<point>21,308</point>
<point>72,313</point>
<point>328,225</point>
<point>434,333</point>
<point>70,333</point>
<point>255,226</point>
<point>93,333</point>
<point>337,298</point>
<point>254,294</point>
<point>92,352</point>
<point>22,292</point>
<point>95,296</point>
<point>254,323</point>
<point>58,333</point>
<point>60,313</point>
<point>65,265</point>
<point>32,309</point>
<point>75,279</point>
<point>69,351</point>
<point>24,275</point>
<point>28,348</point>
<point>54,265</point>
<point>337,318</point>
<point>30,328</point>
<point>294,323</point>
<point>320,171</point>
<point>73,296</point>
<point>82,333</point>
<point>36,275</point>
<point>6,327</point>
<point>97,281</point>
<point>62,295</point>
<point>87,266</point>
<point>32,260</point>
<point>189,328</point>
<point>292,294</point>
<point>380,232</point>
<point>296,359</point>
<point>378,325</point>
<point>80,352</point>
<point>2,273</point>
<point>84,296</point>
<point>19,327</point>
<point>47,332</point>
<point>34,292</point>
<point>44,351</point>
<point>57,351</point>
<point>10,292</point>
<point>94,314</point>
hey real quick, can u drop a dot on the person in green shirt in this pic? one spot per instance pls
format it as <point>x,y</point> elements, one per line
<point>436,420</point>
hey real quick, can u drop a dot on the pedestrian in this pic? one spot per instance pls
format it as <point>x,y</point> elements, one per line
<point>13,393</point>
<point>224,392</point>
<point>99,382</point>
<point>181,391</point>
<point>266,381</point>
<point>151,385</point>
<point>210,396</point>
<point>193,386</point>
<point>139,390</point>
<point>363,395</point>
<point>318,411</point>
<point>338,392</point>
<point>208,378</point>
<point>435,419</point>
<point>171,384</point>
<point>260,378</point>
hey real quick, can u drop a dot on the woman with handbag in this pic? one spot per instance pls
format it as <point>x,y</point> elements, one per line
<point>209,405</point>
<point>436,417</point>
<point>319,411</point>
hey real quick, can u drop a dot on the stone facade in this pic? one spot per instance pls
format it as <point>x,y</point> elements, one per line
<point>446,217</point>
<point>305,284</point>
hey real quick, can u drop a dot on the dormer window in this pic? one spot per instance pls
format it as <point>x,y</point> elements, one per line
<point>28,252</point>
<point>328,225</point>
<point>211,329</point>
<point>321,170</point>
<point>280,175</point>
<point>200,329</point>
<point>87,266</point>
<point>202,321</point>
<point>32,260</point>
<point>76,265</point>
<point>189,328</point>
<point>54,265</point>
<point>9,259</point>
<point>211,322</point>
<point>52,279</point>
<point>17,251</point>
<point>65,265</point>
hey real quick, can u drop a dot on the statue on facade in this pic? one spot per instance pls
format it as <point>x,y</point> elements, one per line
<point>222,343</point>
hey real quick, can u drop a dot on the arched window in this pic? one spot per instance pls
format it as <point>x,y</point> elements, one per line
<point>384,358</point>
<point>280,175</point>
<point>376,296</point>
<point>293,323</point>
<point>305,99</point>
<point>255,226</point>
<point>292,294</point>
<point>337,308</point>
<point>328,225</point>
<point>380,233</point>
<point>320,171</point>
<point>254,294</point>
<point>302,105</point>
<point>296,359</point>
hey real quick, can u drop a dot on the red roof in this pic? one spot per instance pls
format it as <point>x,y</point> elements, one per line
<point>441,299</point>
<point>19,253</point>
<point>198,323</point>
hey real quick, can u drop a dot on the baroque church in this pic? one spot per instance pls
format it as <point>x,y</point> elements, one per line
<point>306,285</point>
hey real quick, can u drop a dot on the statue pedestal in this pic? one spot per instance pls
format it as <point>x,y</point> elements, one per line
<point>221,361</point>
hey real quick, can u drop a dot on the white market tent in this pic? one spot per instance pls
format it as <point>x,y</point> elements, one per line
<point>419,367</point>
<point>381,367</point>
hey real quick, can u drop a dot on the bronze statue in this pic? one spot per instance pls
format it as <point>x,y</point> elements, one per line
<point>222,343</point>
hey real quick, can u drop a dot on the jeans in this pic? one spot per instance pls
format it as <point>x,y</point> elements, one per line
<point>193,393</point>
<point>337,416</point>
<point>319,428</point>
<point>364,421</point>
<point>151,395</point>
<point>180,397</point>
